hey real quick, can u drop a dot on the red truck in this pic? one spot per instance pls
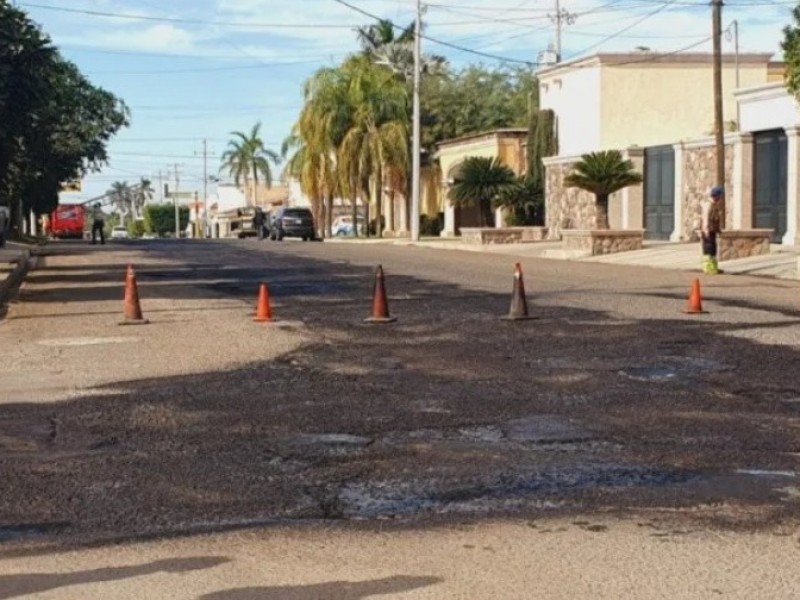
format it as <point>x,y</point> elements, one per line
<point>68,221</point>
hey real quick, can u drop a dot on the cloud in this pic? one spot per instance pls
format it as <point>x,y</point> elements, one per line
<point>162,37</point>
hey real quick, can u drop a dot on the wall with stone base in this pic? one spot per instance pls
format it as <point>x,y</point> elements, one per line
<point>741,244</point>
<point>502,235</point>
<point>699,167</point>
<point>598,242</point>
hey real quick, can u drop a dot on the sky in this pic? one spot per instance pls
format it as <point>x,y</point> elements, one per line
<point>195,70</point>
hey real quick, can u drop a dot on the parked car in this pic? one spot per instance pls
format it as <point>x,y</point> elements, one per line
<point>292,222</point>
<point>344,225</point>
<point>119,233</point>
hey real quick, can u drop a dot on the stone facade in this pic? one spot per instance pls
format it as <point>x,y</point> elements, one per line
<point>743,243</point>
<point>699,176</point>
<point>567,208</point>
<point>596,242</point>
<point>502,235</point>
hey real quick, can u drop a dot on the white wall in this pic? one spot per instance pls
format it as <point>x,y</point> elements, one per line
<point>229,197</point>
<point>767,107</point>
<point>575,98</point>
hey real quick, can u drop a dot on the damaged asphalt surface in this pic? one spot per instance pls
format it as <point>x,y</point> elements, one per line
<point>611,401</point>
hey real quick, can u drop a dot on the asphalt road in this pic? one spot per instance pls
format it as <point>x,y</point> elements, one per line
<point>611,402</point>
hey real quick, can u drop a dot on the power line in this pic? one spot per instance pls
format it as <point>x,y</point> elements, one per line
<point>627,28</point>
<point>243,24</point>
<point>260,65</point>
<point>440,42</point>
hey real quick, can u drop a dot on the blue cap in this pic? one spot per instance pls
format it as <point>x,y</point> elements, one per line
<point>716,191</point>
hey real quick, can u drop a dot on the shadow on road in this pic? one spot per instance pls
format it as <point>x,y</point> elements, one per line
<point>341,590</point>
<point>17,586</point>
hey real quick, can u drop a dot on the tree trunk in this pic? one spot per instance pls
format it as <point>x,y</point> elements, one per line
<point>486,213</point>
<point>379,203</point>
<point>601,201</point>
<point>329,215</point>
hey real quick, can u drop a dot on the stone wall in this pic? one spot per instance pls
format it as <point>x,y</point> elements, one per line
<point>744,243</point>
<point>566,208</point>
<point>571,208</point>
<point>699,176</point>
<point>502,235</point>
<point>597,242</point>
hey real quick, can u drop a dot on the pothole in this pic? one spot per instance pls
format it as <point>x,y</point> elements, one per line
<point>13,532</point>
<point>673,368</point>
<point>534,489</point>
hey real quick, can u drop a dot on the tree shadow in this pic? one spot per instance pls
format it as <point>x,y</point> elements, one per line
<point>17,586</point>
<point>340,590</point>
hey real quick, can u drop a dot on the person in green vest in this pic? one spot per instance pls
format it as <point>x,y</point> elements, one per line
<point>712,225</point>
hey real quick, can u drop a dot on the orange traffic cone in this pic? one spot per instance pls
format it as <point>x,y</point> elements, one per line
<point>695,305</point>
<point>380,306</point>
<point>519,306</point>
<point>264,310</point>
<point>131,308</point>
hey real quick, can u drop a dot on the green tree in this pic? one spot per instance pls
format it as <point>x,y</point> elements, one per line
<point>476,99</point>
<point>56,125</point>
<point>524,201</point>
<point>160,218</point>
<point>311,148</point>
<point>143,193</point>
<point>122,196</point>
<point>376,141</point>
<point>247,157</point>
<point>483,182</point>
<point>602,174</point>
<point>791,53</point>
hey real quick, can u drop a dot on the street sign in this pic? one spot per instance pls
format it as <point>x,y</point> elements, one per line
<point>73,185</point>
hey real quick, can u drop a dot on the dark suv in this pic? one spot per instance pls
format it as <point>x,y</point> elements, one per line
<point>292,222</point>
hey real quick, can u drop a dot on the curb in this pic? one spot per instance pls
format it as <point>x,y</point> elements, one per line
<point>12,281</point>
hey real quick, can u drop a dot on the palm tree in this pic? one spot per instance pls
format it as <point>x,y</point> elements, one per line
<point>383,46</point>
<point>315,138</point>
<point>524,201</point>
<point>482,181</point>
<point>602,174</point>
<point>376,142</point>
<point>122,197</point>
<point>142,195</point>
<point>382,33</point>
<point>247,156</point>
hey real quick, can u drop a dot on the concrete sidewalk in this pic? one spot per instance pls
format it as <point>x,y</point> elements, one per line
<point>783,262</point>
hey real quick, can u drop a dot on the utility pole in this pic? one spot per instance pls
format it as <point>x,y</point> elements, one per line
<point>561,18</point>
<point>160,188</point>
<point>416,144</point>
<point>205,188</point>
<point>177,212</point>
<point>719,131</point>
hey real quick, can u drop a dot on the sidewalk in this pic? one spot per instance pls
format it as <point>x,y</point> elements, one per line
<point>783,262</point>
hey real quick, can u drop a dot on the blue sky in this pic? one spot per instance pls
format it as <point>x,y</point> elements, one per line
<point>199,69</point>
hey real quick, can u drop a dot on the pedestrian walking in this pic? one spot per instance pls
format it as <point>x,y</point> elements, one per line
<point>711,226</point>
<point>5,223</point>
<point>258,222</point>
<point>98,224</point>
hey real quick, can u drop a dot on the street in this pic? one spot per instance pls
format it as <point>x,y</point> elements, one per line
<point>351,452</point>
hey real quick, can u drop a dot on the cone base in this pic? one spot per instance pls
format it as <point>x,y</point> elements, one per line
<point>263,319</point>
<point>134,322</point>
<point>521,318</point>
<point>695,312</point>
<point>380,319</point>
